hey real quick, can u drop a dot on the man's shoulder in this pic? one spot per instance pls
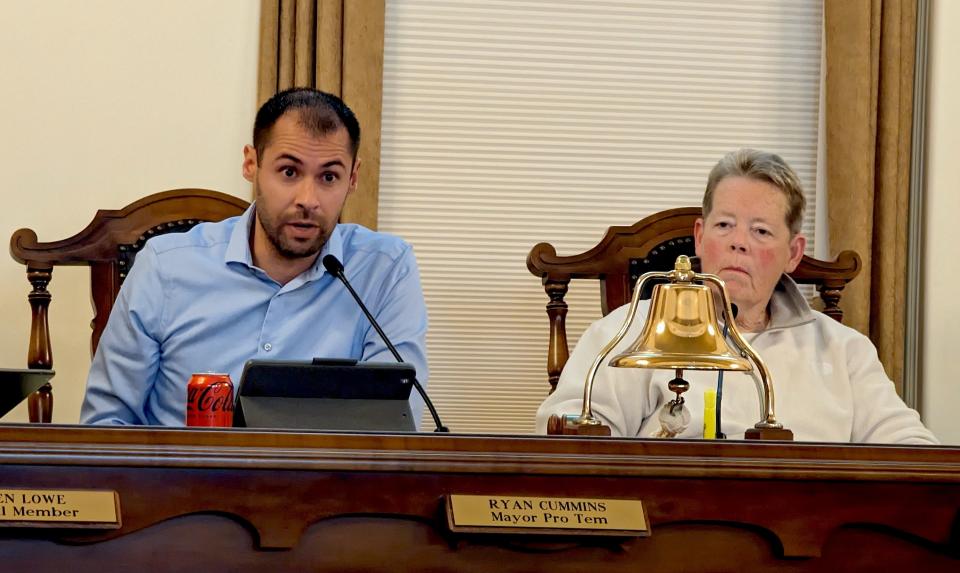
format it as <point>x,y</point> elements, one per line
<point>201,237</point>
<point>359,240</point>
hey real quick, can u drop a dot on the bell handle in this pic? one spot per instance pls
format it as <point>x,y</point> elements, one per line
<point>586,415</point>
<point>765,386</point>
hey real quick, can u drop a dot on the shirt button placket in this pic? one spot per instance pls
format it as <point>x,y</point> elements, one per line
<point>266,332</point>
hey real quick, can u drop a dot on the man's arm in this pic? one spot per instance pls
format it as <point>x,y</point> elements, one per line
<point>402,313</point>
<point>125,365</point>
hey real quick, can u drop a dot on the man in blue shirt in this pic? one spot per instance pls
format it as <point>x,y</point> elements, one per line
<point>254,286</point>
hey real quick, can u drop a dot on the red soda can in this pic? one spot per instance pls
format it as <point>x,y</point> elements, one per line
<point>210,400</point>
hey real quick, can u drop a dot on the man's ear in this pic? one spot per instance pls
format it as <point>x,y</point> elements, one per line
<point>798,244</point>
<point>698,235</point>
<point>249,165</point>
<point>354,175</point>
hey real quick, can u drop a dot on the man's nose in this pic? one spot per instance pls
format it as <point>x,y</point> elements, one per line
<point>307,196</point>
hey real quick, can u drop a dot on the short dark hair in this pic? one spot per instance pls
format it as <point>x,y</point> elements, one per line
<point>319,112</point>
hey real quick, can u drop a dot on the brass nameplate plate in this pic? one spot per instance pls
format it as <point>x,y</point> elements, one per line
<point>554,515</point>
<point>59,508</point>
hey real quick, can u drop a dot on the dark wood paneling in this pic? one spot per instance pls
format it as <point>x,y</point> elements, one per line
<point>295,501</point>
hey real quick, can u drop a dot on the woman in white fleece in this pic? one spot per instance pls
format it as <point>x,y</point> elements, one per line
<point>829,384</point>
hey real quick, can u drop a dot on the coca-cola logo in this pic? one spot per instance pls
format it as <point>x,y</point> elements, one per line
<point>212,398</point>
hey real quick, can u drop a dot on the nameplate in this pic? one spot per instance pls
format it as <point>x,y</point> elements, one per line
<point>59,508</point>
<point>549,515</point>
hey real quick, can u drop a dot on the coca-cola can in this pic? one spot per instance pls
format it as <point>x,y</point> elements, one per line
<point>210,400</point>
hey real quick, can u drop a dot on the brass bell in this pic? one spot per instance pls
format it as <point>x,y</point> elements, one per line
<point>681,332</point>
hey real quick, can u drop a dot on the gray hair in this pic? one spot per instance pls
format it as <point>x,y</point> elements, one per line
<point>762,166</point>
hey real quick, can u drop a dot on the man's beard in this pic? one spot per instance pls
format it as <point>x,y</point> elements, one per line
<point>286,247</point>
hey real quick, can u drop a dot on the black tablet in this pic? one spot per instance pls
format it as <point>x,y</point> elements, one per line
<point>17,384</point>
<point>325,394</point>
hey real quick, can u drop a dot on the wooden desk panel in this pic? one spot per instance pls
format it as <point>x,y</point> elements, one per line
<point>286,501</point>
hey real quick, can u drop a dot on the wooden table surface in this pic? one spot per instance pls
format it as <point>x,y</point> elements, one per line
<point>231,500</point>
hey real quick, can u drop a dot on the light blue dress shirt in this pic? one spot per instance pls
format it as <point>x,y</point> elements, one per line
<point>194,302</point>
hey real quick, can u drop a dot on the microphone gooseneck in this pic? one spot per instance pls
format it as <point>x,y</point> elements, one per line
<point>726,327</point>
<point>335,268</point>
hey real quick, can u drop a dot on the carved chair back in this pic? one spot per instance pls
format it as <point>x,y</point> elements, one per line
<point>651,244</point>
<point>108,245</point>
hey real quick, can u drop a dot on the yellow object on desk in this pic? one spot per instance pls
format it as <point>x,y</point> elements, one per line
<point>710,414</point>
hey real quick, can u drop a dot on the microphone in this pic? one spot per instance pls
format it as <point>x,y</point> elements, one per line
<point>335,268</point>
<point>726,327</point>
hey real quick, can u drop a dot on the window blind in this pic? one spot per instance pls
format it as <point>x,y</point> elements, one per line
<point>507,123</point>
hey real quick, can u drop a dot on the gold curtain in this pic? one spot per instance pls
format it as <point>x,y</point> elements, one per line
<point>869,47</point>
<point>335,46</point>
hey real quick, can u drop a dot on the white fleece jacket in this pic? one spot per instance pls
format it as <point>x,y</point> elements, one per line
<point>828,383</point>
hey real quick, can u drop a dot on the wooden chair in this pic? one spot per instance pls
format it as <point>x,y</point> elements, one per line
<point>108,245</point>
<point>651,244</point>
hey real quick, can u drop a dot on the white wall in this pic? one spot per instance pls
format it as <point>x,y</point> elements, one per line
<point>103,102</point>
<point>941,305</point>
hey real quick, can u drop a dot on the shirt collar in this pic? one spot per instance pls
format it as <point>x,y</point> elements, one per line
<point>788,306</point>
<point>238,247</point>
<point>333,246</point>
